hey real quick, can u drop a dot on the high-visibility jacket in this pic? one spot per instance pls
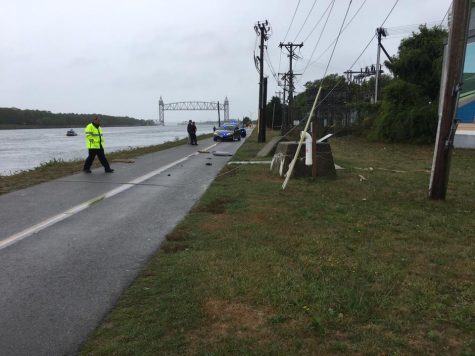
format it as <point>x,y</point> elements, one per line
<point>94,138</point>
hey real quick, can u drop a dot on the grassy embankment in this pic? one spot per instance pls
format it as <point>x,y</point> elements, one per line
<point>58,168</point>
<point>350,265</point>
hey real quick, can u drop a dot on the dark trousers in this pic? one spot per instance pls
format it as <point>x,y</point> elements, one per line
<point>99,152</point>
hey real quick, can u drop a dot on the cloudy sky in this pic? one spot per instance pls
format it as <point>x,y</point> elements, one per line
<point>118,57</point>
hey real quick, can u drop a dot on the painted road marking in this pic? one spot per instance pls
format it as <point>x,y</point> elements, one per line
<point>78,208</point>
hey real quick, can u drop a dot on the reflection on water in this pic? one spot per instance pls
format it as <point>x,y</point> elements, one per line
<point>28,148</point>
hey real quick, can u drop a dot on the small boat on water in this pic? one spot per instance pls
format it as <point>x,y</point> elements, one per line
<point>71,133</point>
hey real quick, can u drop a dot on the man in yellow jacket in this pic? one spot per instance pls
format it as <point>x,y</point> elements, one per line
<point>95,145</point>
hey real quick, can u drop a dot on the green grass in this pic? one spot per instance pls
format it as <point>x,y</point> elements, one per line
<point>58,168</point>
<point>325,267</point>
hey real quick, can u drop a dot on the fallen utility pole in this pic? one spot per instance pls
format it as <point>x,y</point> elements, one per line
<point>454,56</point>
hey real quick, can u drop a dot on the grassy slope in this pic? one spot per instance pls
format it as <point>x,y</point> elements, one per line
<point>328,266</point>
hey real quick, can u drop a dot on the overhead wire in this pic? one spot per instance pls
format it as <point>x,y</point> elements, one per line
<point>320,37</point>
<point>446,13</point>
<point>344,28</point>
<point>356,60</point>
<point>305,21</point>
<point>361,54</point>
<point>318,22</point>
<point>285,37</point>
<point>271,67</point>
<point>292,163</point>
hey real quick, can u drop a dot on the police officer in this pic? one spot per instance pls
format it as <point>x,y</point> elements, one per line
<point>95,145</point>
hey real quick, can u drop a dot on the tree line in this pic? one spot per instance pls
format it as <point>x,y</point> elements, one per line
<point>407,109</point>
<point>13,117</point>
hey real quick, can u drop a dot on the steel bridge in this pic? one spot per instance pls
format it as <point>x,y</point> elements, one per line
<point>193,105</point>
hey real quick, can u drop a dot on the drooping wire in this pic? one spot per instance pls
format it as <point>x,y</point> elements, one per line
<point>271,67</point>
<point>305,21</point>
<point>255,57</point>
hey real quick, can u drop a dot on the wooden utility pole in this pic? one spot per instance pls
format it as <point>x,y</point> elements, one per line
<point>262,28</point>
<point>264,111</point>
<point>283,125</point>
<point>380,32</point>
<point>454,56</point>
<point>291,49</point>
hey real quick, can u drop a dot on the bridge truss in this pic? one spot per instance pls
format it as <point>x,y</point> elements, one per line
<point>193,105</point>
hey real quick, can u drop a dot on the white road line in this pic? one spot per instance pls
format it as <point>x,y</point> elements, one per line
<point>78,208</point>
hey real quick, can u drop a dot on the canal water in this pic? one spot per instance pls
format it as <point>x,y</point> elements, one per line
<point>25,149</point>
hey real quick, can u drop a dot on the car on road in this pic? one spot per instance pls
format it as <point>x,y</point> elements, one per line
<point>232,126</point>
<point>227,133</point>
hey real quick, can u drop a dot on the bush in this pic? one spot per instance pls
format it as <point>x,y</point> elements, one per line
<point>406,115</point>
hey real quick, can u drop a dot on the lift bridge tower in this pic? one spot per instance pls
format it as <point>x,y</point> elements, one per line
<point>193,105</point>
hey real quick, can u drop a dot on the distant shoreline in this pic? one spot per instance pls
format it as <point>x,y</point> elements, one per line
<point>16,127</point>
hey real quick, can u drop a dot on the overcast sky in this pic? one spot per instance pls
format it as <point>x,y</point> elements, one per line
<point>118,57</point>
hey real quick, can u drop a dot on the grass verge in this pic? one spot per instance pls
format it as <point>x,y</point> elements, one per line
<point>360,264</point>
<point>58,168</point>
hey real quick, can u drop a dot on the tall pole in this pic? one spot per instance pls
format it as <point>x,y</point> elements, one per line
<point>291,49</point>
<point>273,113</point>
<point>450,89</point>
<point>264,111</point>
<point>283,124</point>
<point>219,117</point>
<point>381,32</point>
<point>261,89</point>
<point>261,29</point>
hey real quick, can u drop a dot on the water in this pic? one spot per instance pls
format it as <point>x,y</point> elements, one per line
<point>28,148</point>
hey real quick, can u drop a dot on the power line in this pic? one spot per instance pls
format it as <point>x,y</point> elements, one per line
<point>346,26</point>
<point>320,37</point>
<point>361,54</point>
<point>292,163</point>
<point>305,21</point>
<point>338,37</point>
<point>318,22</point>
<point>270,66</point>
<point>446,13</point>
<point>291,22</point>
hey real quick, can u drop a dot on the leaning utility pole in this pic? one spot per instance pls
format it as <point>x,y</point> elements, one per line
<point>290,47</point>
<point>454,56</point>
<point>262,28</point>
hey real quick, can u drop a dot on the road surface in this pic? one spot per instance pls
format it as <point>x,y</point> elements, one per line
<point>69,247</point>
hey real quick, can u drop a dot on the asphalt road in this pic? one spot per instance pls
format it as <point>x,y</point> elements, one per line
<point>59,277</point>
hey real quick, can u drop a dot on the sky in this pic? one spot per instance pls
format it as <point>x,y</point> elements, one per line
<point>119,57</point>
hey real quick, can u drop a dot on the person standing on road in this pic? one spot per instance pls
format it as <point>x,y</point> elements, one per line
<point>189,129</point>
<point>194,140</point>
<point>95,146</point>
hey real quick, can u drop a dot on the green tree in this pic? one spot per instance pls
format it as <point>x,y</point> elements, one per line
<point>246,121</point>
<point>409,105</point>
<point>274,113</point>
